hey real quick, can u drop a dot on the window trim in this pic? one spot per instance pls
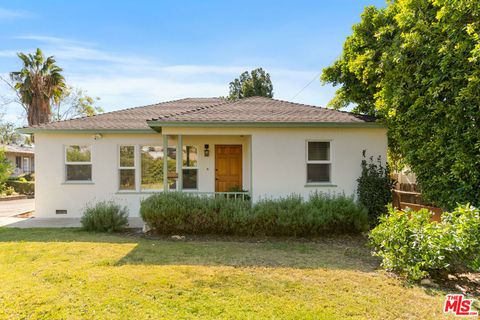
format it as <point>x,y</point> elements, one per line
<point>134,168</point>
<point>137,167</point>
<point>65,163</point>
<point>18,164</point>
<point>330,161</point>
<point>165,154</point>
<point>26,168</point>
<point>190,167</point>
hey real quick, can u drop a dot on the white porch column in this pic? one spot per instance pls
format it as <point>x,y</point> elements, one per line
<point>251,166</point>
<point>179,162</point>
<point>165,162</point>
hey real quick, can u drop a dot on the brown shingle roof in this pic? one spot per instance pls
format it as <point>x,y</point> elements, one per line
<point>132,118</point>
<point>17,148</point>
<point>208,110</point>
<point>261,109</point>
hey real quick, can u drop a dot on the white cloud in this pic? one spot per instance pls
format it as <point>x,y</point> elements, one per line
<point>202,69</point>
<point>8,53</point>
<point>70,49</point>
<point>131,90</point>
<point>125,80</point>
<point>14,14</point>
<point>48,39</point>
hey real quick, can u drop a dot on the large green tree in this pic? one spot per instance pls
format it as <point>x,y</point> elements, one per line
<point>74,103</point>
<point>255,83</point>
<point>416,64</point>
<point>8,134</point>
<point>39,84</point>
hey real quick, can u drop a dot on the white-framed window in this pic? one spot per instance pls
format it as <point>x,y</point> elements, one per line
<point>26,165</point>
<point>319,162</point>
<point>126,168</point>
<point>78,163</point>
<point>151,165</point>
<point>18,162</point>
<point>190,167</point>
<point>140,168</point>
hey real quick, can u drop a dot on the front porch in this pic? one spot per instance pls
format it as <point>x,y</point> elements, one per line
<point>208,165</point>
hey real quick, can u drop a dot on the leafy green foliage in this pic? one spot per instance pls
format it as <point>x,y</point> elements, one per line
<point>9,191</point>
<point>38,83</point>
<point>176,212</point>
<point>5,169</point>
<point>29,176</point>
<point>23,177</point>
<point>152,168</point>
<point>105,216</point>
<point>255,83</point>
<point>9,135</point>
<point>375,186</point>
<point>413,246</point>
<point>238,189</point>
<point>74,103</point>
<point>321,214</point>
<point>22,186</point>
<point>76,153</point>
<point>414,63</point>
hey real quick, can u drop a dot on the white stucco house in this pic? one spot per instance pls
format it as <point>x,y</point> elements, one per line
<point>256,146</point>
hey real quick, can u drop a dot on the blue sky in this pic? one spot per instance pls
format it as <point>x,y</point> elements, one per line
<point>131,53</point>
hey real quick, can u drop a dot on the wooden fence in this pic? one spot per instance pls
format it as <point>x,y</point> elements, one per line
<point>408,196</point>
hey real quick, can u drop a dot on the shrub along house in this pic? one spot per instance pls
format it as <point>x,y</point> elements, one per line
<point>256,146</point>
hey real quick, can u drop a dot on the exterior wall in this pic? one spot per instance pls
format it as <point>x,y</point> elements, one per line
<point>53,193</point>
<point>274,163</point>
<point>279,157</point>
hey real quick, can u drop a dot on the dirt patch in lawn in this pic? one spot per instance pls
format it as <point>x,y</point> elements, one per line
<point>25,215</point>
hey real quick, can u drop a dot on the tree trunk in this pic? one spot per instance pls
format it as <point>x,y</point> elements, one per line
<point>38,112</point>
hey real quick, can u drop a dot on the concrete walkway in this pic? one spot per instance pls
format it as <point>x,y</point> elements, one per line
<point>9,209</point>
<point>14,207</point>
<point>11,222</point>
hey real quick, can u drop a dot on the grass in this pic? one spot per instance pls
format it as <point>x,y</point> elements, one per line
<point>67,273</point>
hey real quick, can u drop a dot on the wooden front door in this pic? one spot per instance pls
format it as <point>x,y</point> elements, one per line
<point>228,167</point>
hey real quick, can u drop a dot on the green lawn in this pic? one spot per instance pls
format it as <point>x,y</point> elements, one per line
<point>62,273</point>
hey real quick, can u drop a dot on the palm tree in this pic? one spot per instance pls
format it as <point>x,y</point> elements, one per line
<point>38,84</point>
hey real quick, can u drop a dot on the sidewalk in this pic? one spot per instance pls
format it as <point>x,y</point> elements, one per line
<point>14,207</point>
<point>12,222</point>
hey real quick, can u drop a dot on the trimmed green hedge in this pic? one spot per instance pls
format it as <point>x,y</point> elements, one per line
<point>177,212</point>
<point>22,187</point>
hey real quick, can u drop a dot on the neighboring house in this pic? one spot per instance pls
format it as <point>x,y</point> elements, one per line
<point>265,147</point>
<point>22,158</point>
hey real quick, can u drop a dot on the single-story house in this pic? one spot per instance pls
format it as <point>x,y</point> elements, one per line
<point>22,158</point>
<point>257,146</point>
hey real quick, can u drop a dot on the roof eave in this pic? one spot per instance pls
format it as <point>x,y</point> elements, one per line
<point>20,152</point>
<point>156,126</point>
<point>31,130</point>
<point>243,124</point>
